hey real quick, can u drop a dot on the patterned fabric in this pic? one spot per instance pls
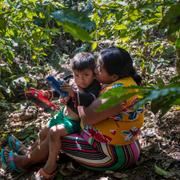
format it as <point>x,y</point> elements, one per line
<point>99,156</point>
<point>122,128</point>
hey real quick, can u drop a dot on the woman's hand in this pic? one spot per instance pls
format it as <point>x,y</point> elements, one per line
<point>90,115</point>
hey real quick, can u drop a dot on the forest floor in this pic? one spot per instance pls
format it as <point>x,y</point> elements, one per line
<point>160,142</point>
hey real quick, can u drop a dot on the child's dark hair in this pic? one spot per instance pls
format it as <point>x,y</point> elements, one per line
<point>118,61</point>
<point>83,60</point>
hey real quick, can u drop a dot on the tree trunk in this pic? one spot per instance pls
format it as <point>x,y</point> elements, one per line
<point>178,61</point>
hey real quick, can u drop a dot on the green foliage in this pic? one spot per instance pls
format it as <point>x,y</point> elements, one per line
<point>140,27</point>
<point>117,95</point>
<point>75,23</point>
<point>27,37</point>
<point>134,25</point>
<point>19,34</point>
<point>27,28</point>
<point>74,17</point>
<point>161,171</point>
<point>171,20</point>
<point>178,43</point>
<point>161,96</point>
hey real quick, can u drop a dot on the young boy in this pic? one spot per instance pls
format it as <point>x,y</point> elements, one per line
<point>82,92</point>
<point>84,89</point>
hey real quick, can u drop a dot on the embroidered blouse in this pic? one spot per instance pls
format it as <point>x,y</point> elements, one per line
<point>122,128</point>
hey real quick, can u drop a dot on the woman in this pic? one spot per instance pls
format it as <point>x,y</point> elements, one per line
<point>109,139</point>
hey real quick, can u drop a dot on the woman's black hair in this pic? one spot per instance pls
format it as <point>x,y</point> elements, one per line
<point>83,60</point>
<point>118,61</point>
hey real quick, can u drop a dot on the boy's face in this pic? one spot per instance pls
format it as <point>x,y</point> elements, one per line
<point>83,78</point>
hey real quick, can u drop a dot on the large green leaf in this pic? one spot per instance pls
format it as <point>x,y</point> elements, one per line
<point>76,32</point>
<point>115,96</point>
<point>177,43</point>
<point>74,23</point>
<point>162,98</point>
<point>74,17</point>
<point>158,94</point>
<point>160,171</point>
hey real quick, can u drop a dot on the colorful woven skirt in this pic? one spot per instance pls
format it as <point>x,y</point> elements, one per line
<point>100,156</point>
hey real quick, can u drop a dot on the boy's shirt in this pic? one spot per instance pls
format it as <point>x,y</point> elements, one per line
<point>85,97</point>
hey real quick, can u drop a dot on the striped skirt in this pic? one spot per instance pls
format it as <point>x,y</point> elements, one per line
<point>100,156</point>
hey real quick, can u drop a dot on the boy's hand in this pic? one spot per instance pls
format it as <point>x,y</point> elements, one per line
<point>56,85</point>
<point>68,88</point>
<point>65,100</point>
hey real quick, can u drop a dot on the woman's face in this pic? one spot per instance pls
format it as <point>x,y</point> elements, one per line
<point>101,73</point>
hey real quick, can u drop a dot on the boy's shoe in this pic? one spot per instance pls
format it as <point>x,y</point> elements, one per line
<point>7,161</point>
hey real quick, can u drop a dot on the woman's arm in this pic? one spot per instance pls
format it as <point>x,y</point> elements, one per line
<point>89,115</point>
